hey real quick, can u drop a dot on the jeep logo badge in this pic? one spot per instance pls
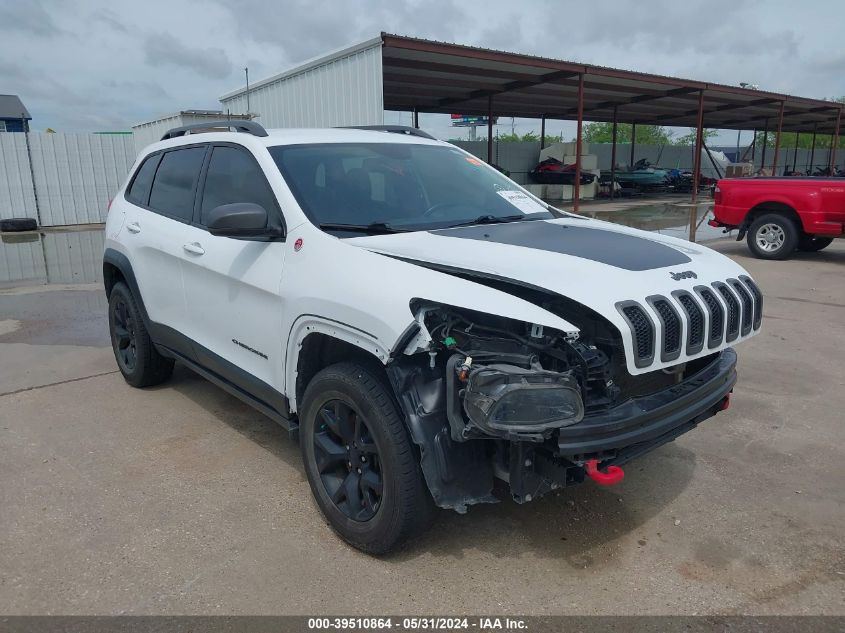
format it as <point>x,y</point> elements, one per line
<point>687,274</point>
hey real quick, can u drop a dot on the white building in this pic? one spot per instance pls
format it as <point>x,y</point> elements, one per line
<point>148,132</point>
<point>343,87</point>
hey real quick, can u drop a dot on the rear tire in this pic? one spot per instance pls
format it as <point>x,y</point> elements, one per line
<point>813,243</point>
<point>773,236</point>
<point>359,460</point>
<point>136,356</point>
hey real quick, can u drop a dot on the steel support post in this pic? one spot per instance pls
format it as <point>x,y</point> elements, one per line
<point>613,156</point>
<point>542,133</point>
<point>490,130</point>
<point>777,140</point>
<point>834,141</point>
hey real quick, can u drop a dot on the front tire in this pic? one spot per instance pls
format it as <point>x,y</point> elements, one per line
<point>360,464</point>
<point>813,243</point>
<point>773,236</point>
<point>136,356</point>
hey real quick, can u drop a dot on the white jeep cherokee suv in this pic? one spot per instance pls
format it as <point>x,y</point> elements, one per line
<point>423,323</point>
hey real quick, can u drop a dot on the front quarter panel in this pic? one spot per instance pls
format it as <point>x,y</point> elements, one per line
<point>366,296</point>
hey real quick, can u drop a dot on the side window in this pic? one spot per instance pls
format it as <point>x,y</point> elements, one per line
<point>139,190</point>
<point>234,176</point>
<point>175,181</point>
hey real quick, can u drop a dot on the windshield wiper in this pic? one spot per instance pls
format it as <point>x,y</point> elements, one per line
<point>492,219</point>
<point>374,228</point>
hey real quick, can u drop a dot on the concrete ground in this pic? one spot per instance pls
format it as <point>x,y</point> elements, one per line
<point>179,499</point>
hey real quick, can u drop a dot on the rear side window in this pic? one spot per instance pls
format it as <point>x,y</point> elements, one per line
<point>139,190</point>
<point>175,182</point>
<point>234,176</point>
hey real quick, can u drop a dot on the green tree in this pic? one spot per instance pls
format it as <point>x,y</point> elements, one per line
<point>804,141</point>
<point>528,137</point>
<point>646,134</point>
<point>689,138</point>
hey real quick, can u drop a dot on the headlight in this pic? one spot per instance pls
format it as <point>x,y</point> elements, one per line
<point>509,398</point>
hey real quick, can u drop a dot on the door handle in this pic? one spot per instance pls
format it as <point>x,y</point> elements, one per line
<point>194,248</point>
<point>133,227</point>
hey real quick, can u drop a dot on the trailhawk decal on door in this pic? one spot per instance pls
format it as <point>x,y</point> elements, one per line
<point>249,349</point>
<point>607,247</point>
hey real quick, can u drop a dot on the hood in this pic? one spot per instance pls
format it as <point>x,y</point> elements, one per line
<point>597,264</point>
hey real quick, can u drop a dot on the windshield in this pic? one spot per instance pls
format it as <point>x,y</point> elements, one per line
<point>399,186</point>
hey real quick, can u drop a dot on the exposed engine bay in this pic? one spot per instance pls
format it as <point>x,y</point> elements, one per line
<point>487,397</point>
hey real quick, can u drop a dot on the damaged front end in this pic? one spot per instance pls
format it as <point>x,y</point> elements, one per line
<point>488,397</point>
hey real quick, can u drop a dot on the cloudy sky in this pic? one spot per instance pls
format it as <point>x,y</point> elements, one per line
<point>88,65</point>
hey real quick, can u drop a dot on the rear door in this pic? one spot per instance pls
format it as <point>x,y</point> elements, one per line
<point>232,286</point>
<point>161,205</point>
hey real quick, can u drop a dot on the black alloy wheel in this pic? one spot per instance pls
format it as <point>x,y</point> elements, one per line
<point>134,351</point>
<point>361,464</point>
<point>124,336</point>
<point>348,461</point>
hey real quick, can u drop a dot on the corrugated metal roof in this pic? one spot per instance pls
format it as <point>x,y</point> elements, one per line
<point>442,77</point>
<point>432,76</point>
<point>11,107</point>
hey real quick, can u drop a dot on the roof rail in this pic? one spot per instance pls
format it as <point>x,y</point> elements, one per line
<point>396,129</point>
<point>248,127</point>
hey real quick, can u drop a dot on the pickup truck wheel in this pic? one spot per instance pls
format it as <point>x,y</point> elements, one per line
<point>773,236</point>
<point>136,356</point>
<point>812,243</point>
<point>360,464</point>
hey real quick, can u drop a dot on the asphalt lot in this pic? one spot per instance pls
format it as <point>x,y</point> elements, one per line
<point>179,499</point>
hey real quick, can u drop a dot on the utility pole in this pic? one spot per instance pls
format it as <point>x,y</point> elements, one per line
<point>246,72</point>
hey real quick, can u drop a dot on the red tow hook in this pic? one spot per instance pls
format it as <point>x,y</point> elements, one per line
<point>613,475</point>
<point>726,403</point>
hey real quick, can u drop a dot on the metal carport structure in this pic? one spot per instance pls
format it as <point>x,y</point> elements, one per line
<point>355,85</point>
<point>426,76</point>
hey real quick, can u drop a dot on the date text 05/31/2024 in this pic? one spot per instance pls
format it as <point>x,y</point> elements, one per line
<point>479,623</point>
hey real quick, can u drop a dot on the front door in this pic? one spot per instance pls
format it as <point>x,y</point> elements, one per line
<point>232,285</point>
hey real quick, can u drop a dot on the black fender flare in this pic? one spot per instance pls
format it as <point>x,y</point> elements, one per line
<point>112,257</point>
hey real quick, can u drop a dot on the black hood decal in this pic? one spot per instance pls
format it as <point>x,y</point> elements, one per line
<point>607,247</point>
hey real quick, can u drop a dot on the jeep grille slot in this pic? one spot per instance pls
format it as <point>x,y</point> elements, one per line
<point>747,305</point>
<point>758,300</point>
<point>671,322</point>
<point>695,321</point>
<point>642,330</point>
<point>733,310</point>
<point>716,313</point>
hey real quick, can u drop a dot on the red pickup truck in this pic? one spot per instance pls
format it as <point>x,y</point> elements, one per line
<point>780,215</point>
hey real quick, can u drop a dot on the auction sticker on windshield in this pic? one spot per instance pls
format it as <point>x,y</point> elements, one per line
<point>522,202</point>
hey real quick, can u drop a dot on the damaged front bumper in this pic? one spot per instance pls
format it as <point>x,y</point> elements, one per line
<point>617,436</point>
<point>462,473</point>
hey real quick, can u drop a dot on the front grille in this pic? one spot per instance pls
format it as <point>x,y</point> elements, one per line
<point>642,330</point>
<point>758,300</point>
<point>695,321</point>
<point>733,310</point>
<point>715,315</point>
<point>671,322</point>
<point>747,305</point>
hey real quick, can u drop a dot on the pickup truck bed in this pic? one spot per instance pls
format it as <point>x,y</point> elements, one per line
<point>781,215</point>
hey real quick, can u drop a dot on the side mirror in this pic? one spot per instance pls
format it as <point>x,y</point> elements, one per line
<point>244,220</point>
